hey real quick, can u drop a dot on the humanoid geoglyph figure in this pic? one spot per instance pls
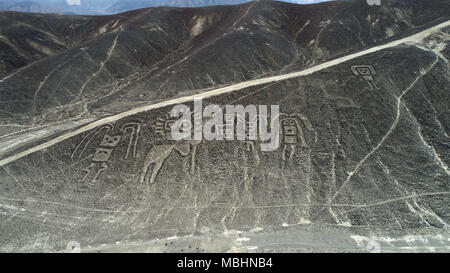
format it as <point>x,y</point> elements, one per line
<point>293,134</point>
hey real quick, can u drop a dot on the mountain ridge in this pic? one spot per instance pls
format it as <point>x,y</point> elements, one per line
<point>86,154</point>
<point>225,26</point>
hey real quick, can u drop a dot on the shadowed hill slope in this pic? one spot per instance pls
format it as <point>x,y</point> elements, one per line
<point>109,64</point>
<point>364,147</point>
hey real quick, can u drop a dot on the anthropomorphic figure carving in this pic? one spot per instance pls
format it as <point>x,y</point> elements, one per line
<point>107,146</point>
<point>102,153</point>
<point>135,129</point>
<point>293,135</point>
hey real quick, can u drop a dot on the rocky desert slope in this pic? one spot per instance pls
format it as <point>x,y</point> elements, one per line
<point>83,158</point>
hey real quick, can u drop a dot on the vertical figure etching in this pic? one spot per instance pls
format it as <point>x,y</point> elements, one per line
<point>109,142</point>
<point>102,154</point>
<point>249,126</point>
<point>135,129</point>
<point>293,135</point>
<point>193,156</point>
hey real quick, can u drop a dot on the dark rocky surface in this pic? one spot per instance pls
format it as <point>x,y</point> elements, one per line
<point>374,170</point>
<point>144,56</point>
<point>103,7</point>
<point>27,38</point>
